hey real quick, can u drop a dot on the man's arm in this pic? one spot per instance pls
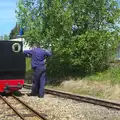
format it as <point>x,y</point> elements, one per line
<point>48,53</point>
<point>28,53</point>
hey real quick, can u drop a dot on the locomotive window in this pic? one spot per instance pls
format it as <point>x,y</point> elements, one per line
<point>16,48</point>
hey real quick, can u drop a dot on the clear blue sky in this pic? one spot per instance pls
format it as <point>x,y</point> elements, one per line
<point>7,16</point>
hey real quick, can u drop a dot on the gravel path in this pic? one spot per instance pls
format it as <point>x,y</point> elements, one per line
<point>64,109</point>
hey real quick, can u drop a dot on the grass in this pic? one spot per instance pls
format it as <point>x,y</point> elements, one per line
<point>28,64</point>
<point>111,75</point>
<point>104,84</point>
<point>92,88</point>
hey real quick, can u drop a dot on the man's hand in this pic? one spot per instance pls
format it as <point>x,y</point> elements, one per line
<point>45,60</point>
<point>27,55</point>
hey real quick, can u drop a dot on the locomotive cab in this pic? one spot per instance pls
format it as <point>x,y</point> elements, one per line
<point>12,66</point>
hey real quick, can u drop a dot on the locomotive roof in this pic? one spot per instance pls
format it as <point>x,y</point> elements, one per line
<point>10,41</point>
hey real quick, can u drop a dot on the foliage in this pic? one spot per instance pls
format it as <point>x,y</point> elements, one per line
<point>14,32</point>
<point>112,75</point>
<point>28,67</point>
<point>6,37</point>
<point>84,36</point>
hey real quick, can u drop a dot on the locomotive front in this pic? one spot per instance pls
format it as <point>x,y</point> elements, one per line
<point>12,66</point>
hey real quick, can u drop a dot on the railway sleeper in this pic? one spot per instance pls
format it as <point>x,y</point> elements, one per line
<point>24,115</point>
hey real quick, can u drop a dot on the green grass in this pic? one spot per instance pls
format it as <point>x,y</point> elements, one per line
<point>112,75</point>
<point>104,84</point>
<point>28,64</point>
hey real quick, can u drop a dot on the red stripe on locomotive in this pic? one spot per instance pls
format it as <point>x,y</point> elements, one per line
<point>11,85</point>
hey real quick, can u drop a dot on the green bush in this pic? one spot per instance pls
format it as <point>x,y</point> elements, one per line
<point>83,50</point>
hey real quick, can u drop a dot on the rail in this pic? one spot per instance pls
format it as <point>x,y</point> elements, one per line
<point>33,113</point>
<point>87,99</point>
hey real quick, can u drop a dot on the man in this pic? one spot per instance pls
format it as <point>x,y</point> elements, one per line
<point>38,56</point>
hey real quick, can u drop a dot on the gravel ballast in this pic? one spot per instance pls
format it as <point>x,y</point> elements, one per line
<point>57,108</point>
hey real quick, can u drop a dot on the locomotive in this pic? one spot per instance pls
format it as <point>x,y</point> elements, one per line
<point>12,66</point>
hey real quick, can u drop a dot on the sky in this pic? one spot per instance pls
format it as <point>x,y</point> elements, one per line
<point>7,16</point>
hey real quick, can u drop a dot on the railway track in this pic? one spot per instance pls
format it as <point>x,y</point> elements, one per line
<point>87,99</point>
<point>13,102</point>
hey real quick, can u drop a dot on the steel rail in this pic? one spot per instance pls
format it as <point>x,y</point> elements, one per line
<point>88,99</point>
<point>40,115</point>
<point>22,116</point>
<point>14,109</point>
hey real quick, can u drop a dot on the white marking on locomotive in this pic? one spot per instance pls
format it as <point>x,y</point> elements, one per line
<point>25,45</point>
<point>16,45</point>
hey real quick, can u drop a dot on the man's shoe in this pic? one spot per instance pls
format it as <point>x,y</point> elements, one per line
<point>40,96</point>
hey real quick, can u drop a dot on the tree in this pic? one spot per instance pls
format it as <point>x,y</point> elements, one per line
<point>14,32</point>
<point>6,37</point>
<point>83,36</point>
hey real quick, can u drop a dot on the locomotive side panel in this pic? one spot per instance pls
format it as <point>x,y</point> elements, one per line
<point>12,65</point>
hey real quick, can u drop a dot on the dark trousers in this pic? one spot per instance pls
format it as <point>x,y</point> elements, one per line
<point>39,78</point>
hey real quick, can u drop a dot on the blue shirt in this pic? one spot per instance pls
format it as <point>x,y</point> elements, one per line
<point>37,56</point>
